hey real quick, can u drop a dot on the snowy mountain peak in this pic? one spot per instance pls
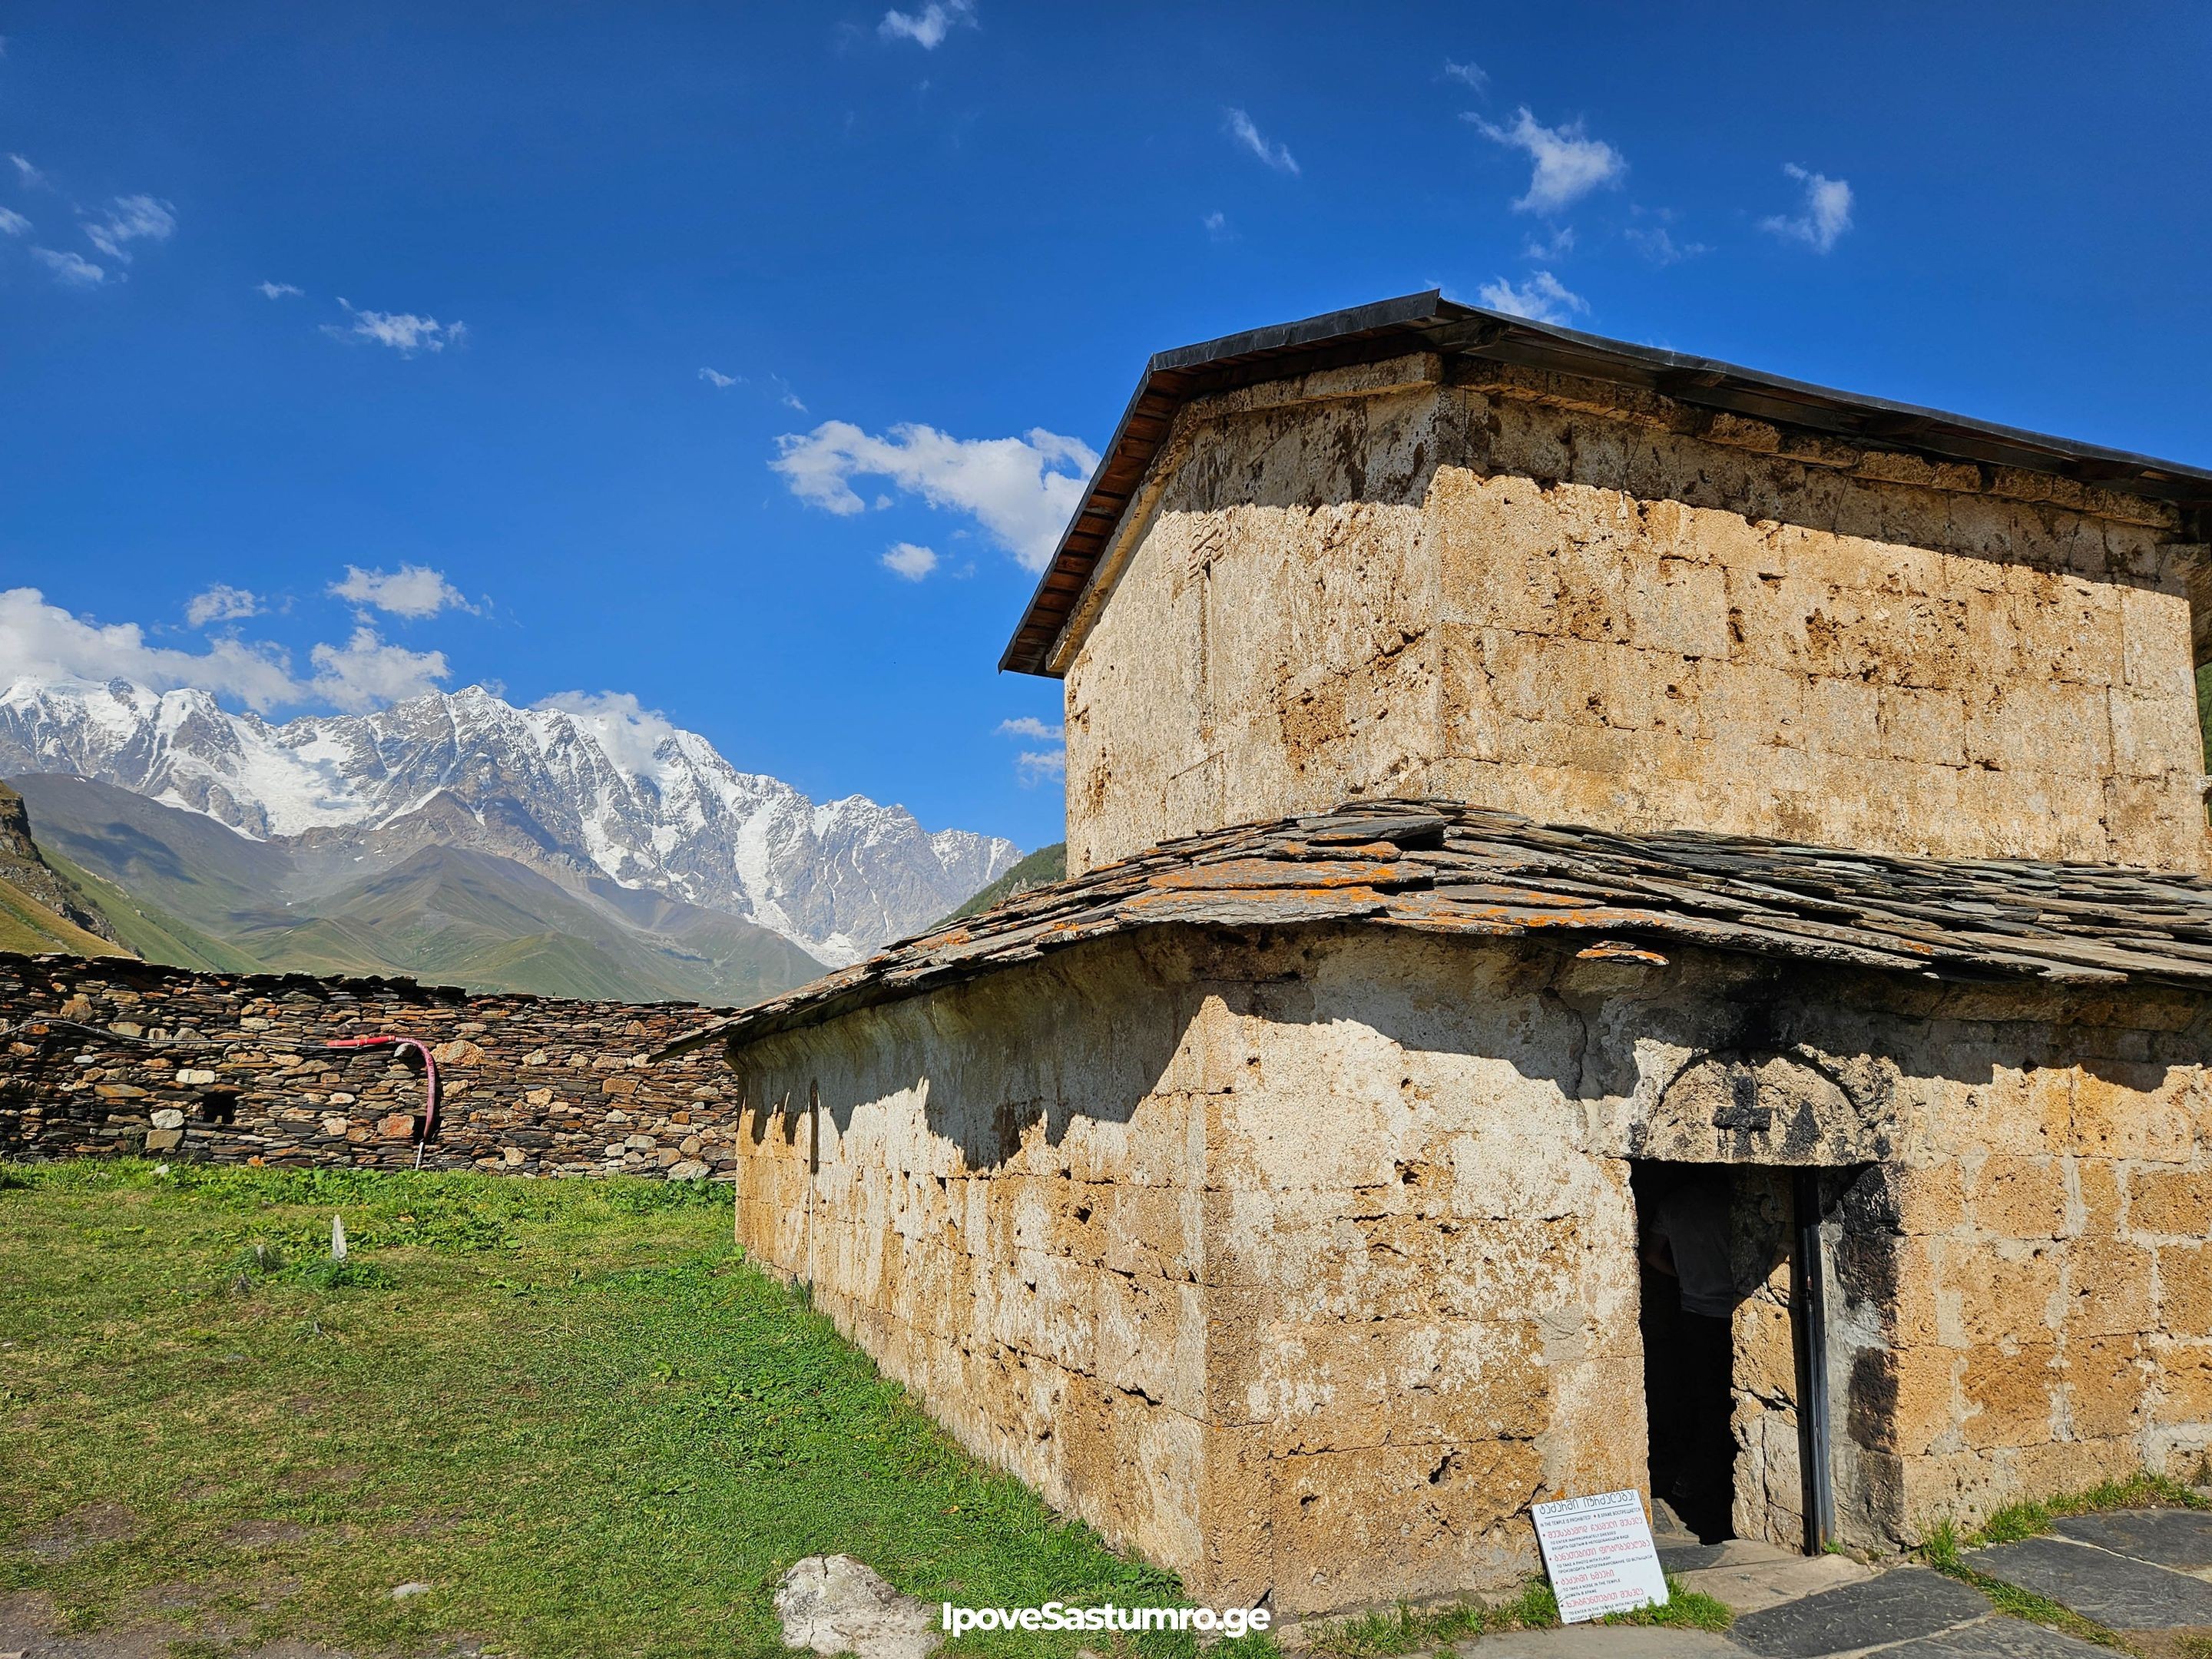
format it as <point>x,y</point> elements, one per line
<point>581,786</point>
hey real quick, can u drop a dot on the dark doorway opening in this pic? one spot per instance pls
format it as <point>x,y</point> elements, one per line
<point>1685,1216</point>
<point>1733,1317</point>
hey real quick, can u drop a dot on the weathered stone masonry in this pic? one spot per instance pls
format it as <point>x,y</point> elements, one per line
<point>1302,1258</point>
<point>529,1086</point>
<point>1595,606</point>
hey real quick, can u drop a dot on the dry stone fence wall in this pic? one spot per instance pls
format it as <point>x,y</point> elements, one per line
<point>108,1056</point>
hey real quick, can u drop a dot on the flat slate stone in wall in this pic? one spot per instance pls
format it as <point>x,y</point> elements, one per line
<point>109,1057</point>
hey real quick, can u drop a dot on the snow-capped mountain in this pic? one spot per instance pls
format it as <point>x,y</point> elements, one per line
<point>590,790</point>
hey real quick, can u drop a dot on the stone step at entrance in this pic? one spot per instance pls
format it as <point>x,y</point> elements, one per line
<point>1667,1528</point>
<point>1751,1577</point>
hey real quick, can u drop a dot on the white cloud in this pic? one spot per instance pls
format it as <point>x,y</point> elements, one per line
<point>772,385</point>
<point>1216,225</point>
<point>366,673</point>
<point>1469,73</point>
<point>910,561</point>
<point>1659,247</point>
<point>1570,164</point>
<point>1035,765</point>
<point>404,332</point>
<point>12,223</point>
<point>1543,298</point>
<point>927,27</point>
<point>414,591</point>
<point>42,641</point>
<point>39,640</point>
<point>1275,156</point>
<point>1558,244</point>
<point>71,270</point>
<point>26,172</point>
<point>1021,490</point>
<point>1827,212</point>
<point>221,603</point>
<point>279,291</point>
<point>130,218</point>
<point>630,732</point>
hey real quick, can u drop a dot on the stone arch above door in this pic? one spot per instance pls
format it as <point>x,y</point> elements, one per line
<point>1739,1106</point>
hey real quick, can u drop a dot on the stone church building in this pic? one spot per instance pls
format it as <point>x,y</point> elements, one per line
<point>1511,774</point>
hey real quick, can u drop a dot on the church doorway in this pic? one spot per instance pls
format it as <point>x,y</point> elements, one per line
<point>1728,1347</point>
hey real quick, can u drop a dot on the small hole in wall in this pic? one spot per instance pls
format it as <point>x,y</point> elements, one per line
<point>1308,1500</point>
<point>219,1106</point>
<point>1082,1213</point>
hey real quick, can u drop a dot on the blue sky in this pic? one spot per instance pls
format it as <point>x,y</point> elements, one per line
<point>924,252</point>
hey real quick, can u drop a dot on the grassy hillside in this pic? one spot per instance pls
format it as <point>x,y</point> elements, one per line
<point>1040,869</point>
<point>150,931</point>
<point>39,908</point>
<point>185,864</point>
<point>28,925</point>
<point>472,919</point>
<point>181,889</point>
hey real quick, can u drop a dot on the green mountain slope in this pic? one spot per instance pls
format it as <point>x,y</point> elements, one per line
<point>150,931</point>
<point>1040,869</point>
<point>471,918</point>
<point>184,889</point>
<point>28,925</point>
<point>186,865</point>
<point>32,880</point>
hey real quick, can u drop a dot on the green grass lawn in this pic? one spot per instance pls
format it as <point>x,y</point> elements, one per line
<point>570,1407</point>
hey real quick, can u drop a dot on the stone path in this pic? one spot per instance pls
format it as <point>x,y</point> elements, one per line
<point>2145,1574</point>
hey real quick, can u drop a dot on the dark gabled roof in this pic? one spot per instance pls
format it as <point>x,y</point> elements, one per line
<point>1429,322</point>
<point>1442,868</point>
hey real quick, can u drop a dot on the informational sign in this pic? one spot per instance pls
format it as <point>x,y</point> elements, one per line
<point>1599,1554</point>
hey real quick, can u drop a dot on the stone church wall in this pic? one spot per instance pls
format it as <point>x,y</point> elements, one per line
<point>529,1085</point>
<point>1595,607</point>
<point>1308,1262</point>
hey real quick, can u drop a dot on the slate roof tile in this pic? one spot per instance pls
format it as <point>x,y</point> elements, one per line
<point>1439,866</point>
